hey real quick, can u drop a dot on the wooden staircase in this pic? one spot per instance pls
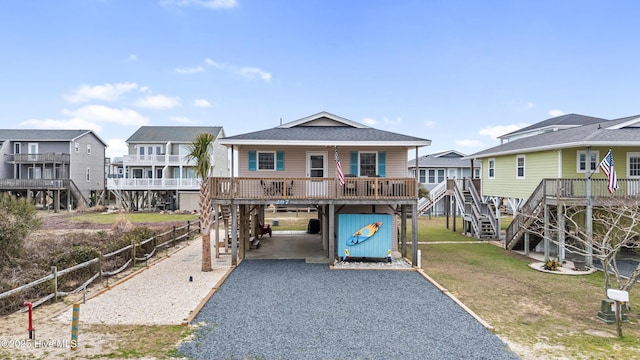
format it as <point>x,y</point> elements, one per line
<point>527,214</point>
<point>478,213</point>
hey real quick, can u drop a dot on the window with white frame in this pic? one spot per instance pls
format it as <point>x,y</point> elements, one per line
<point>581,160</point>
<point>266,160</point>
<point>476,173</point>
<point>77,147</point>
<point>440,175</point>
<point>368,162</point>
<point>520,166</point>
<point>432,176</point>
<point>491,168</point>
<point>423,176</point>
<point>88,149</point>
<point>633,162</point>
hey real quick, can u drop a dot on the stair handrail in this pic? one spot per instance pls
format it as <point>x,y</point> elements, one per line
<point>77,193</point>
<point>525,212</point>
<point>435,194</point>
<point>482,206</point>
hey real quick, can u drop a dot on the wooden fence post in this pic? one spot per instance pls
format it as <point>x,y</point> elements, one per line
<point>54,269</point>
<point>133,253</point>
<point>188,231</point>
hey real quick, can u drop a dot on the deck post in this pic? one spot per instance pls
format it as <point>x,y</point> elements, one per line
<point>216,218</point>
<point>332,238</point>
<point>403,230</point>
<point>546,232</point>
<point>414,234</point>
<point>234,234</point>
<point>455,210</point>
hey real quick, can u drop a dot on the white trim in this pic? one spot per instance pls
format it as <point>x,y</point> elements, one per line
<point>560,164</point>
<point>375,153</point>
<point>325,156</point>
<point>635,122</point>
<point>489,168</point>
<point>581,144</point>
<point>596,160</point>
<point>320,115</point>
<point>323,143</point>
<point>275,160</point>
<point>629,156</point>
<point>524,166</point>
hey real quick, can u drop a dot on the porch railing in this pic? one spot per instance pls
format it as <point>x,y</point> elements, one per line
<point>313,188</point>
<point>153,184</point>
<point>57,158</point>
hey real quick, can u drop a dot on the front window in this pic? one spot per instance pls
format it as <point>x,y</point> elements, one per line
<point>423,176</point>
<point>440,175</point>
<point>77,147</point>
<point>634,165</point>
<point>582,161</point>
<point>88,149</point>
<point>432,176</point>
<point>368,163</point>
<point>492,168</point>
<point>520,166</point>
<point>266,160</point>
<point>476,173</point>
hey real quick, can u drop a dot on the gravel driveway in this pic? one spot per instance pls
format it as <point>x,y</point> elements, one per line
<point>288,309</point>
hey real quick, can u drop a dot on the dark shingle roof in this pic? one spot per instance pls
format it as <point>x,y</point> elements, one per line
<point>438,160</point>
<point>42,135</point>
<point>601,134</point>
<point>563,121</point>
<point>325,133</point>
<point>171,133</point>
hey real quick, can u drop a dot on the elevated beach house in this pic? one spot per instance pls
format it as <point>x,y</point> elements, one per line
<point>534,175</point>
<point>156,174</point>
<point>362,210</point>
<point>55,168</point>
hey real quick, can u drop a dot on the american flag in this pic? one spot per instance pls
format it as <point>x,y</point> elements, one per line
<point>339,167</point>
<point>606,165</point>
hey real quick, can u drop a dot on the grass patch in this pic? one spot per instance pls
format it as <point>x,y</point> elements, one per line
<point>290,221</point>
<point>143,341</point>
<point>133,217</point>
<point>553,314</point>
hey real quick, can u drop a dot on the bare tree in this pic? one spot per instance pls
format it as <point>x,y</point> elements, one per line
<point>615,226</point>
<point>199,151</point>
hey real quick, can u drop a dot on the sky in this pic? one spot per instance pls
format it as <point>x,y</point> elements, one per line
<point>459,73</point>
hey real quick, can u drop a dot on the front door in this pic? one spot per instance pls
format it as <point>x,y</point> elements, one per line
<point>317,170</point>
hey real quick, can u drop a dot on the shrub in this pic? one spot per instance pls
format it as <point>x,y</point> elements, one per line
<point>18,218</point>
<point>552,265</point>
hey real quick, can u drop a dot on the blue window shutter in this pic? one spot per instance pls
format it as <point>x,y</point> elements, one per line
<point>382,164</point>
<point>354,163</point>
<point>280,160</point>
<point>252,161</point>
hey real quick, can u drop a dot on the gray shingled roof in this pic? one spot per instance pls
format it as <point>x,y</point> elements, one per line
<point>433,161</point>
<point>163,134</point>
<point>43,135</point>
<point>587,135</point>
<point>326,133</point>
<point>562,121</point>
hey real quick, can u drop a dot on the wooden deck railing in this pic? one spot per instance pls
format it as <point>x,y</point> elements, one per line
<point>355,188</point>
<point>57,158</point>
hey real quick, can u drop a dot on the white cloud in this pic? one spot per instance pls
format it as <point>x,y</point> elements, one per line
<point>204,103</point>
<point>132,57</point>
<point>159,102</point>
<point>395,122</point>
<point>253,72</point>
<point>370,121</point>
<point>469,143</point>
<point>100,113</point>
<point>499,130</point>
<point>429,123</point>
<point>182,120</point>
<point>106,92</point>
<point>190,70</point>
<point>530,105</point>
<point>213,63</point>
<point>116,148</point>
<point>209,4</point>
<point>556,112</point>
<point>73,123</point>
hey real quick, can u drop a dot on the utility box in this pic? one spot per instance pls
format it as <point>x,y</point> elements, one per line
<point>607,311</point>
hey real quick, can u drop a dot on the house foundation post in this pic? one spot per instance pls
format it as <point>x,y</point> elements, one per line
<point>403,230</point>
<point>234,234</point>
<point>332,238</point>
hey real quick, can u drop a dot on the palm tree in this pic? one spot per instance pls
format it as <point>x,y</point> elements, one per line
<point>199,151</point>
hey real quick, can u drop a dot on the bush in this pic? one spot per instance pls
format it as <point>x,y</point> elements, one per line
<point>18,218</point>
<point>552,265</point>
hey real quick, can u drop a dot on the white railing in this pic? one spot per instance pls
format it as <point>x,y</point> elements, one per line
<point>129,160</point>
<point>153,184</point>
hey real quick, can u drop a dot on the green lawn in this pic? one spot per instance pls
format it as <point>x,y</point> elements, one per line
<point>142,217</point>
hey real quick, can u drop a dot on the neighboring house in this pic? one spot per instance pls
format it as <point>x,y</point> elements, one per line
<point>434,169</point>
<point>156,173</point>
<point>294,164</point>
<point>535,172</point>
<point>65,166</point>
<point>554,124</point>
